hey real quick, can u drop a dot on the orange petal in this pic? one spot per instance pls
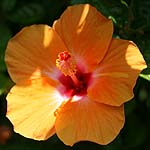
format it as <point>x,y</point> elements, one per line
<point>86,33</point>
<point>86,120</point>
<point>33,49</point>
<point>31,109</point>
<point>116,76</point>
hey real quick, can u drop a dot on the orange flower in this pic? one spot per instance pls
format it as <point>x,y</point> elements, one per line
<point>71,79</point>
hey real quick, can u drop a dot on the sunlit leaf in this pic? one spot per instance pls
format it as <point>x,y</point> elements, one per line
<point>146,74</point>
<point>124,3</point>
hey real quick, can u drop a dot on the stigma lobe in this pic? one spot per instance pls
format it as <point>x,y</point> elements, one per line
<point>64,56</point>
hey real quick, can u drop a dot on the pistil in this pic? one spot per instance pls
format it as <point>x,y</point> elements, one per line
<point>66,64</point>
<point>75,79</point>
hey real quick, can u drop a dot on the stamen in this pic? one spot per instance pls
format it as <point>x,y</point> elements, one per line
<point>67,65</point>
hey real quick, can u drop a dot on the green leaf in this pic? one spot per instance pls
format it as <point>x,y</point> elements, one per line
<point>113,19</point>
<point>5,35</point>
<point>27,14</point>
<point>8,5</point>
<point>130,107</point>
<point>73,2</point>
<point>146,74</point>
<point>115,145</point>
<point>135,132</point>
<point>102,7</point>
<point>124,3</point>
<point>141,13</point>
<point>5,83</point>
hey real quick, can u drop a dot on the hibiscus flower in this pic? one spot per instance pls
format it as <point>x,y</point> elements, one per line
<point>71,79</point>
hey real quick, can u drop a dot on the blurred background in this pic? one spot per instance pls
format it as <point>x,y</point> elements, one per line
<point>131,20</point>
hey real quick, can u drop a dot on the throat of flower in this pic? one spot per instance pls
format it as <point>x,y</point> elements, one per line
<point>66,64</point>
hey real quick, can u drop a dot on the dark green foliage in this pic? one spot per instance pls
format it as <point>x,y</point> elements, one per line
<point>27,14</point>
<point>131,20</point>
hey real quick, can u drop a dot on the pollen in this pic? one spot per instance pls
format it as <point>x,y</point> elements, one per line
<point>66,64</point>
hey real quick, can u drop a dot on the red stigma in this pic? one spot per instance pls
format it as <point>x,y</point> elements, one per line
<point>64,56</point>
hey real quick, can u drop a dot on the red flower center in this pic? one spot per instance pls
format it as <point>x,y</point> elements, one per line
<point>71,88</point>
<point>72,78</point>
